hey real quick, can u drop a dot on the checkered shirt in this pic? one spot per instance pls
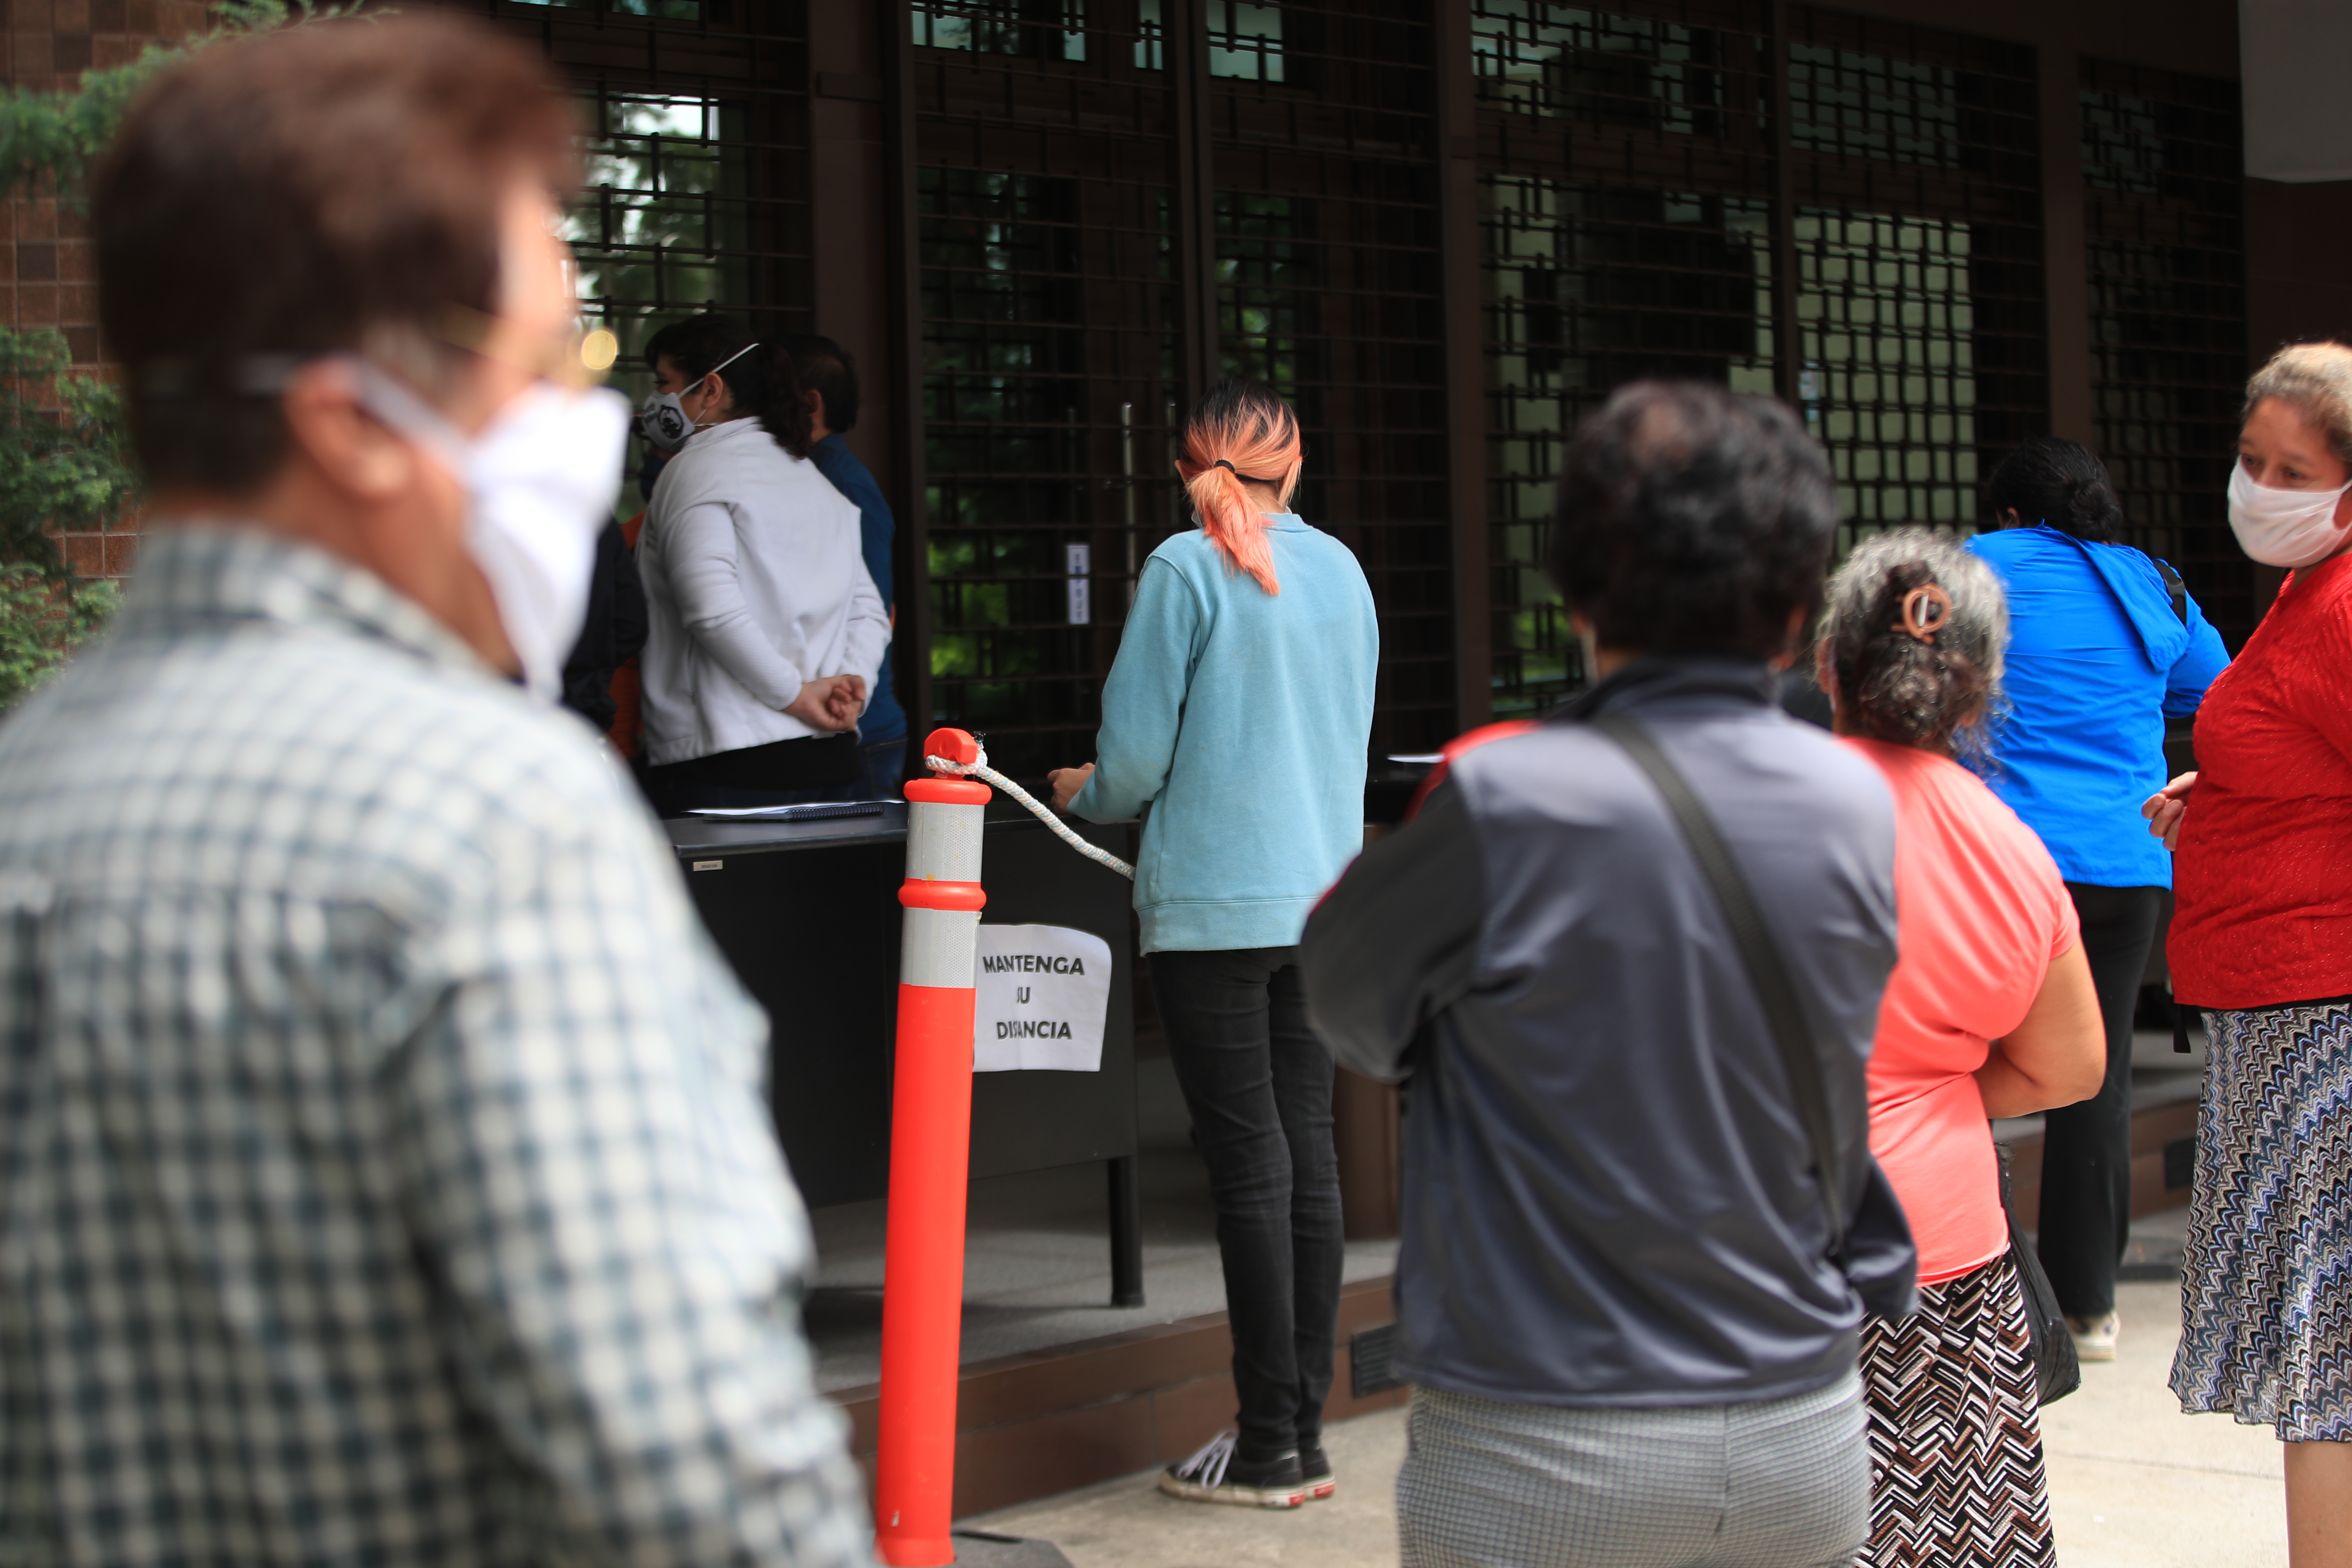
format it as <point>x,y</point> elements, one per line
<point>383,1174</point>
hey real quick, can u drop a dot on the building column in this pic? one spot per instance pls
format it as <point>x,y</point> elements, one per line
<point>903,307</point>
<point>2066,267</point>
<point>1465,364</point>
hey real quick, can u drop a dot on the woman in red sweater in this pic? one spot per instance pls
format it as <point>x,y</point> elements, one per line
<point>2261,940</point>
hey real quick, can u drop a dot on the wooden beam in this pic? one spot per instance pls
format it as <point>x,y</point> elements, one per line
<point>1464,294</point>
<point>902,239</point>
<point>1788,336</point>
<point>2065,264</point>
<point>1186,57</point>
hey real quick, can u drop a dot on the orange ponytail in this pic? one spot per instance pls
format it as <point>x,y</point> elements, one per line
<point>1242,430</point>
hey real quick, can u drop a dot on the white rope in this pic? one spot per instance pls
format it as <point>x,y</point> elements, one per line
<point>980,770</point>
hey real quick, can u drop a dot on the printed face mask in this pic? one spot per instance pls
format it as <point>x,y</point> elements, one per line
<point>540,481</point>
<point>2283,528</point>
<point>663,417</point>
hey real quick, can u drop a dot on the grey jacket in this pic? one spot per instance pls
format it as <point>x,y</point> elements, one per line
<point>1607,1193</point>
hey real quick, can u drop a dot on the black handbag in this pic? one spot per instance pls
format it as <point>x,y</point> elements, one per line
<point>1873,1246</point>
<point>2057,1370</point>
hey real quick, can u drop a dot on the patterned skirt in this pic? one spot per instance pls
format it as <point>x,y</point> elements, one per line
<point>2266,1286</point>
<point>1956,1476</point>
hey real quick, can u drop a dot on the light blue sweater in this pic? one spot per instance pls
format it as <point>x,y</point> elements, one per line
<point>1241,720</point>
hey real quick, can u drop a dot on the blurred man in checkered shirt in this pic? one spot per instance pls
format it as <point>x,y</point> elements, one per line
<point>383,1172</point>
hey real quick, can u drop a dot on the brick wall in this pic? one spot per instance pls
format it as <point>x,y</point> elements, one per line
<point>45,257</point>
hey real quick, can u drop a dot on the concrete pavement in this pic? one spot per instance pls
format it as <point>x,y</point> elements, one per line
<point>2134,1484</point>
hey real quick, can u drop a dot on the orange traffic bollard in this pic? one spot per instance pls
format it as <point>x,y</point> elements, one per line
<point>930,1151</point>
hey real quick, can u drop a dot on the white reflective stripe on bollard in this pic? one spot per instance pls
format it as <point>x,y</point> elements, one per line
<point>937,947</point>
<point>943,842</point>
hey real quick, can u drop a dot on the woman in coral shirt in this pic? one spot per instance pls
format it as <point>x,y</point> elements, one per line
<point>2261,940</point>
<point>1990,1011</point>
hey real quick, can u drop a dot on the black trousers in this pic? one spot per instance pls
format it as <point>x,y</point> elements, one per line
<point>2086,1219</point>
<point>1258,1083</point>
<point>811,770</point>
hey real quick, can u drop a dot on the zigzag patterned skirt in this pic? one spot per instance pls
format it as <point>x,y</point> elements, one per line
<point>2266,1286</point>
<point>1956,1476</point>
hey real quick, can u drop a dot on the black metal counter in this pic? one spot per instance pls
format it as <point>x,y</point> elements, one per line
<point>808,912</point>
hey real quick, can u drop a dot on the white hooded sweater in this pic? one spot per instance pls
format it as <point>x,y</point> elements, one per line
<point>755,586</point>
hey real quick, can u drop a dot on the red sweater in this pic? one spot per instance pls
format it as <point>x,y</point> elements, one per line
<point>2264,874</point>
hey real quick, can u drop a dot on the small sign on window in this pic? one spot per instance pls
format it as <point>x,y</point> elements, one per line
<point>1079,563</point>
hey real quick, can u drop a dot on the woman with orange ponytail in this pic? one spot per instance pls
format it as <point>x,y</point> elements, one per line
<point>1239,714</point>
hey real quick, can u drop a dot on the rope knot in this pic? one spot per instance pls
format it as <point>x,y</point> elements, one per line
<point>978,768</point>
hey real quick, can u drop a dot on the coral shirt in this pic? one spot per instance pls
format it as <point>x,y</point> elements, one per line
<point>1980,911</point>
<point>2264,877</point>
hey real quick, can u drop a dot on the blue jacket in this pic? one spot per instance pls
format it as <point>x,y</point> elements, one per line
<point>1243,721</point>
<point>884,719</point>
<point>2097,661</point>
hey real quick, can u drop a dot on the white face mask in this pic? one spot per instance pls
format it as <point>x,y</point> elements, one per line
<point>663,417</point>
<point>2283,528</point>
<point>540,481</point>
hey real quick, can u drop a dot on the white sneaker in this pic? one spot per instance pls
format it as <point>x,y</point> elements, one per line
<point>2094,1338</point>
<point>1214,1475</point>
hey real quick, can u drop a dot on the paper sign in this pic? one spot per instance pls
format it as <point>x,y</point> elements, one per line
<point>1078,561</point>
<point>1044,992</point>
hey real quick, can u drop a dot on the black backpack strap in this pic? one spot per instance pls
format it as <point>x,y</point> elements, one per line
<point>1766,970</point>
<point>2174,587</point>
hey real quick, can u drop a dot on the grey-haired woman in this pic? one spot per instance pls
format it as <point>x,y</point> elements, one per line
<point>1990,1011</point>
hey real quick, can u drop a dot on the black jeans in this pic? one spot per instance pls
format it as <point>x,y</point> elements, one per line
<point>1258,1083</point>
<point>2086,1219</point>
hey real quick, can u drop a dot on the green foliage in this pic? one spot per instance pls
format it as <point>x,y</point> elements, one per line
<point>64,446</point>
<point>63,461</point>
<point>59,135</point>
<point>41,622</point>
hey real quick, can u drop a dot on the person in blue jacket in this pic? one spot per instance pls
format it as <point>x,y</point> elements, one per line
<point>827,378</point>
<point>1239,712</point>
<point>2104,646</point>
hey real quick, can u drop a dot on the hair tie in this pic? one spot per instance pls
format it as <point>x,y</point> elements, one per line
<point>1939,605</point>
<point>1220,463</point>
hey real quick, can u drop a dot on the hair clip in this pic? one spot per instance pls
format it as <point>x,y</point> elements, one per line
<point>1938,604</point>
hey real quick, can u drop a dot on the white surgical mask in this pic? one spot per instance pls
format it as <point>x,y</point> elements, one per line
<point>539,483</point>
<point>663,417</point>
<point>2283,528</point>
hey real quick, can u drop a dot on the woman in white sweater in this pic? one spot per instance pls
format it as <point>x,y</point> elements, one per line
<point>765,629</point>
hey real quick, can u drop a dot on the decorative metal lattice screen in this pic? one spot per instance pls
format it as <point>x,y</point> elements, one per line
<point>696,195</point>
<point>1327,275</point>
<point>1052,250</point>
<point>1889,385</point>
<point>1624,212</point>
<point>1049,345</point>
<point>1918,286</point>
<point>1588,289</point>
<point>2162,176</point>
<point>1628,192</point>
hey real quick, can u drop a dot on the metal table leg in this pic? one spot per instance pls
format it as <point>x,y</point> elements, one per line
<point>1125,1233</point>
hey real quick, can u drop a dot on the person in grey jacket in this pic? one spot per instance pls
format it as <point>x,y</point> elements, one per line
<point>1615,1296</point>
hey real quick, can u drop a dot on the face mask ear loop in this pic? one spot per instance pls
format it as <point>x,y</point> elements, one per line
<point>730,359</point>
<point>714,369</point>
<point>389,401</point>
